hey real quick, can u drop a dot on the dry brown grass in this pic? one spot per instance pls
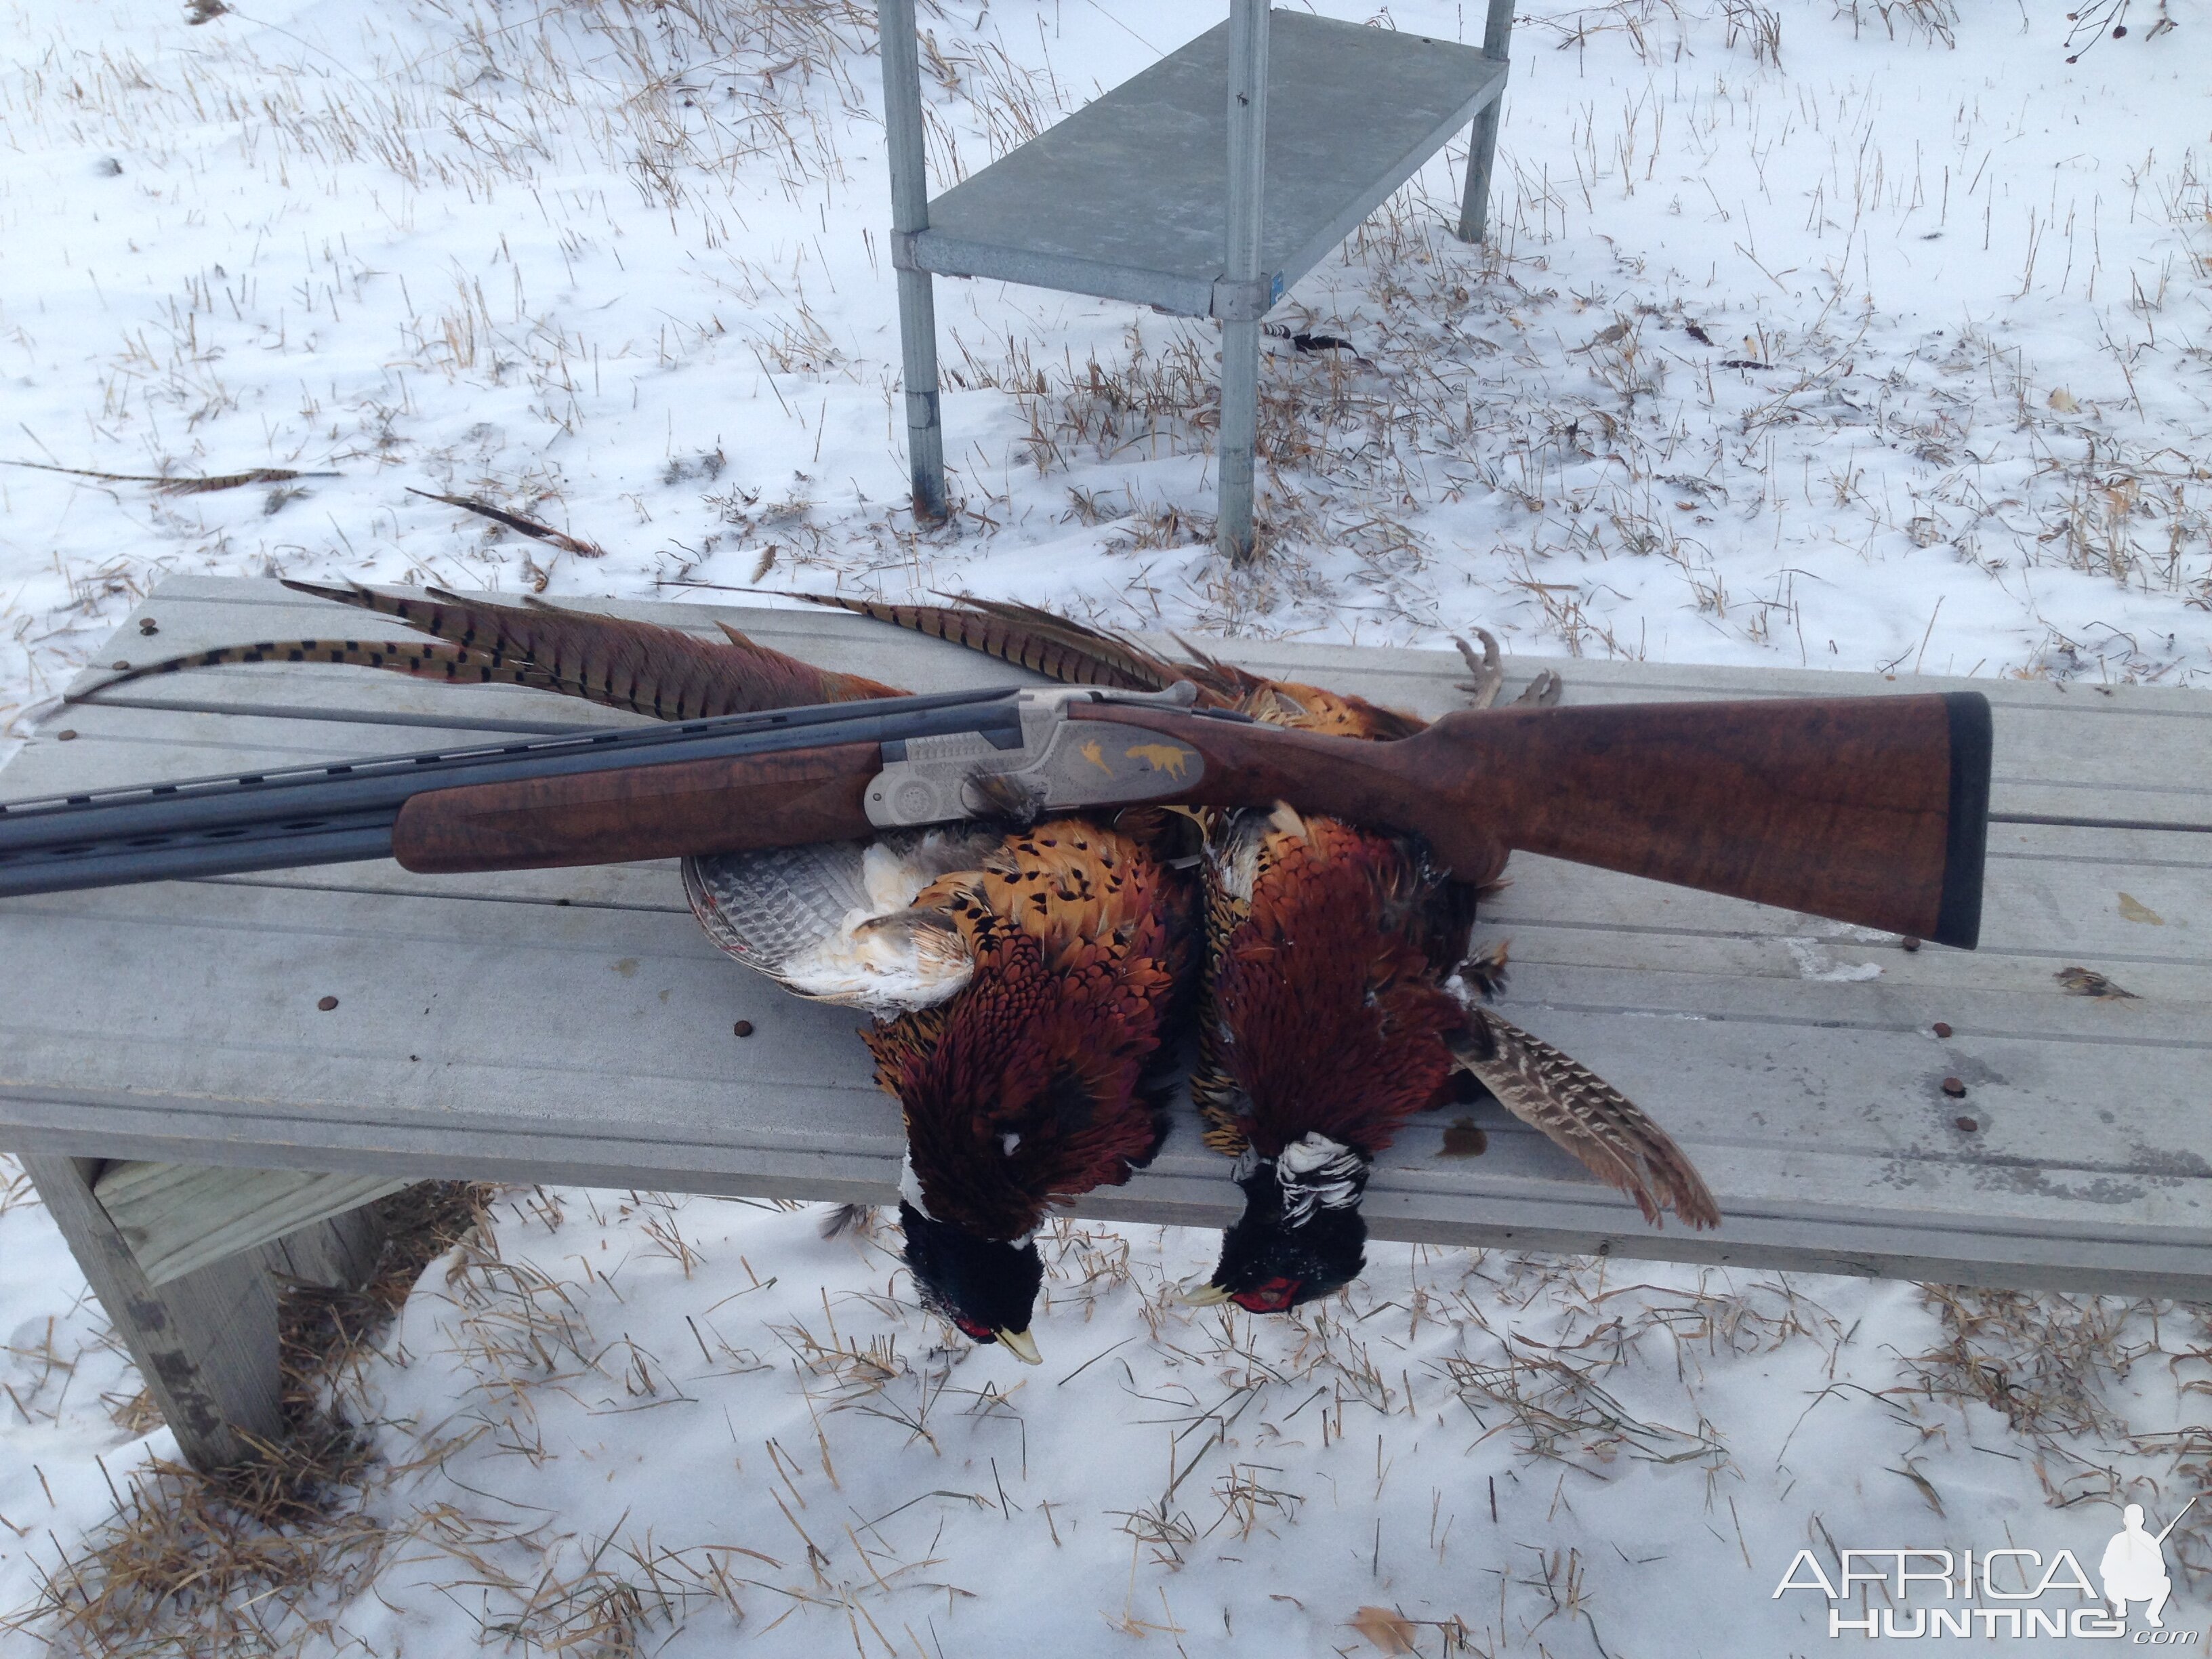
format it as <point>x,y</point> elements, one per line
<point>2063,1370</point>
<point>1933,20</point>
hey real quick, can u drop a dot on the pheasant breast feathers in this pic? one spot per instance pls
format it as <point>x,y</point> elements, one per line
<point>1326,1012</point>
<point>1030,1084</point>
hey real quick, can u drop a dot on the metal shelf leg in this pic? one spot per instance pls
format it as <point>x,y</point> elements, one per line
<point>924,433</point>
<point>917,301</point>
<point>1240,335</point>
<point>1482,141</point>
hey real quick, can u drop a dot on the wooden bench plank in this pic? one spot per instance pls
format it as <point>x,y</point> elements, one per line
<point>484,996</point>
<point>180,1218</point>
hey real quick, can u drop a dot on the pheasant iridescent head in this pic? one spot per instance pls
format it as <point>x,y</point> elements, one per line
<point>1301,1236</point>
<point>985,1289</point>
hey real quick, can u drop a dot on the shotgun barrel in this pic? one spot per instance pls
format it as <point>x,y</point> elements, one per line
<point>342,811</point>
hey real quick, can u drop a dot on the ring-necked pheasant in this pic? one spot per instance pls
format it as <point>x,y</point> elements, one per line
<point>1036,981</point>
<point>1024,979</point>
<point>1340,1001</point>
<point>1339,998</point>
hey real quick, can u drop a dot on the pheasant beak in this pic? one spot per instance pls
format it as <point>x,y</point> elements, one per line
<point>1022,1346</point>
<point>1206,1296</point>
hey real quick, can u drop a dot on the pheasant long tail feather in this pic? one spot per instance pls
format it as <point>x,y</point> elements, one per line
<point>1587,1116</point>
<point>639,666</point>
<point>457,663</point>
<point>1225,680</point>
<point>1069,651</point>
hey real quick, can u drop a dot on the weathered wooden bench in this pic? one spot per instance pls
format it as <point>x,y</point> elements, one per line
<point>201,1127</point>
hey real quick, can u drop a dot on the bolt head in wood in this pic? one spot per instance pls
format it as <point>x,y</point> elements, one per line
<point>148,625</point>
<point>1955,1088</point>
<point>327,1003</point>
<point>1910,943</point>
<point>1942,1030</point>
<point>742,1028</point>
<point>1966,1124</point>
<point>65,737</point>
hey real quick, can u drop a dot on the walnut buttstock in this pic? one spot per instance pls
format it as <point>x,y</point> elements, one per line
<point>668,810</point>
<point>1872,811</point>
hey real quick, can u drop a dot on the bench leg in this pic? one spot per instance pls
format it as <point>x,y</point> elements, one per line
<point>1482,140</point>
<point>917,300</point>
<point>205,1343</point>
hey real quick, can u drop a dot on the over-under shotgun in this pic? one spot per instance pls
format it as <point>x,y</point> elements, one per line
<point>1867,810</point>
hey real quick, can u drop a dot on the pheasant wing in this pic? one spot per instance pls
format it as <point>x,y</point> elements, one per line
<point>1587,1116</point>
<point>839,920</point>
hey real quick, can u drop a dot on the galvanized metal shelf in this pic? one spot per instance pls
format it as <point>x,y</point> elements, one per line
<point>1177,190</point>
<point>1127,197</point>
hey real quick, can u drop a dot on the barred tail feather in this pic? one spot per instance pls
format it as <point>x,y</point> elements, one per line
<point>1586,1116</point>
<point>458,665</point>
<point>769,679</point>
<point>1225,680</point>
<point>1069,651</point>
<point>639,666</point>
<point>416,613</point>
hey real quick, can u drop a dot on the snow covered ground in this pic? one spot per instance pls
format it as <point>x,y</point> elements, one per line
<point>1869,335</point>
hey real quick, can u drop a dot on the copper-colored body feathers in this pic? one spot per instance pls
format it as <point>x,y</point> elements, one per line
<point>1030,1084</point>
<point>1327,950</point>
